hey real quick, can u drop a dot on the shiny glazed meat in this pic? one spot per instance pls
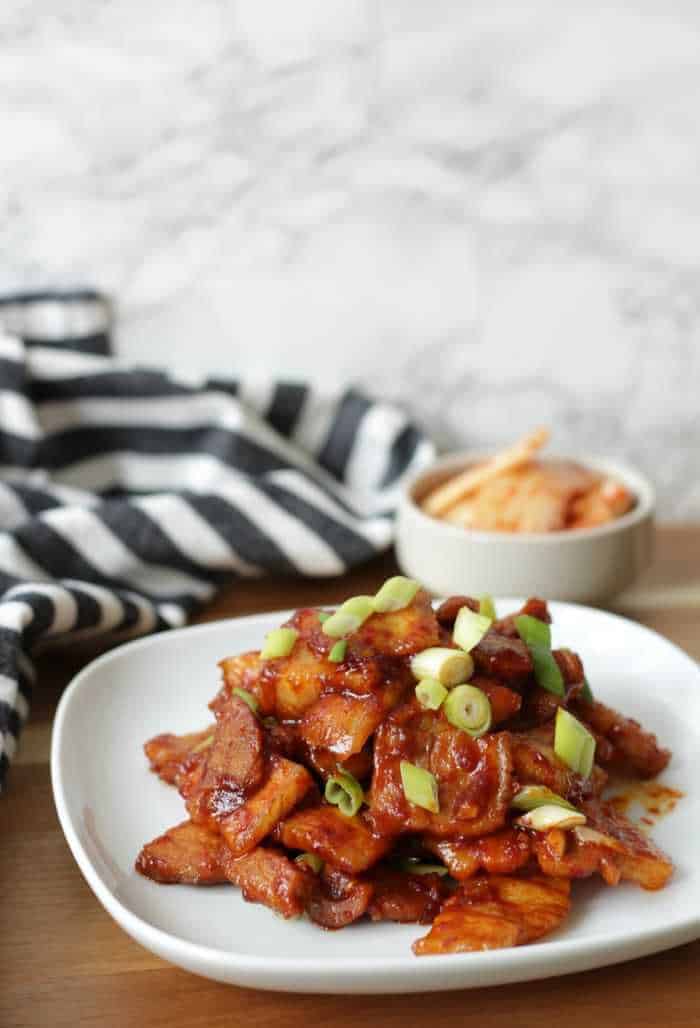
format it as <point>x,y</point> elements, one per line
<point>633,749</point>
<point>254,786</point>
<point>267,875</point>
<point>609,845</point>
<point>405,897</point>
<point>473,775</point>
<point>490,913</point>
<point>173,756</point>
<point>187,854</point>
<point>347,843</point>
<point>338,899</point>
<point>502,853</point>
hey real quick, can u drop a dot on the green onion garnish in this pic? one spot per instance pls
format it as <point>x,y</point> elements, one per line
<point>586,694</point>
<point>487,607</point>
<point>247,698</point>
<point>395,594</point>
<point>310,860</point>
<point>430,693</point>
<point>420,787</point>
<point>345,792</point>
<point>551,816</point>
<point>470,629</point>
<point>449,667</point>
<point>538,639</point>
<point>531,797</point>
<point>468,708</point>
<point>348,618</point>
<point>532,631</point>
<point>323,615</point>
<point>415,866</point>
<point>203,745</point>
<point>279,643</point>
<point>338,651</point>
<point>573,743</point>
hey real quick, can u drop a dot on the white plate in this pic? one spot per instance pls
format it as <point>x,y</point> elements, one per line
<point>109,805</point>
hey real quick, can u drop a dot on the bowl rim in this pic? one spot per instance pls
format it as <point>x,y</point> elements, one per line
<point>638,483</point>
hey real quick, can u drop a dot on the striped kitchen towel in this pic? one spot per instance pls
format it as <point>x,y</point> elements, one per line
<point>128,495</point>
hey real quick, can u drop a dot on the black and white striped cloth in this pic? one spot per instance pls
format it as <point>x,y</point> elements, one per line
<point>128,495</point>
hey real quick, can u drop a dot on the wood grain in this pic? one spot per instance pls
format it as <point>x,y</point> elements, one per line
<point>64,962</point>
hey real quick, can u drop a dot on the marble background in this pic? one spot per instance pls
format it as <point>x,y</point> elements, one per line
<point>488,210</point>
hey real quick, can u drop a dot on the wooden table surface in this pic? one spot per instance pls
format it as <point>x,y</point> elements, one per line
<point>64,962</point>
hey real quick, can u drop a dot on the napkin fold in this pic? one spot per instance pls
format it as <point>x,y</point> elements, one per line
<point>128,495</point>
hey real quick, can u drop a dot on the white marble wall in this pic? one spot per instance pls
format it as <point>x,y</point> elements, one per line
<point>490,210</point>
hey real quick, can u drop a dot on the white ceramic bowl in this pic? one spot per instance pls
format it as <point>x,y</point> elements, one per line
<point>585,565</point>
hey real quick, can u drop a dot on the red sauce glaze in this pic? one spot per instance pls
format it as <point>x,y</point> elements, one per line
<point>634,750</point>
<point>233,766</point>
<point>187,854</point>
<point>255,779</point>
<point>656,800</point>
<point>337,899</point>
<point>534,607</point>
<point>172,756</point>
<point>505,702</point>
<point>447,612</point>
<point>404,897</point>
<point>502,657</point>
<point>473,775</point>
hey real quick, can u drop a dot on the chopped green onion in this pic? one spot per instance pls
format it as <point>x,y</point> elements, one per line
<point>449,667</point>
<point>311,861</point>
<point>547,672</point>
<point>323,616</point>
<point>538,639</point>
<point>430,693</point>
<point>348,618</point>
<point>418,867</point>
<point>203,745</point>
<point>487,607</point>
<point>468,708</point>
<point>338,651</point>
<point>533,632</point>
<point>247,698</point>
<point>531,797</point>
<point>345,792</point>
<point>470,629</point>
<point>586,694</point>
<point>573,743</point>
<point>395,594</point>
<point>420,787</point>
<point>279,643</point>
<point>551,816</point>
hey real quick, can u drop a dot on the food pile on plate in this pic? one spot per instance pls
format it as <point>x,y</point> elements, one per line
<point>393,762</point>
